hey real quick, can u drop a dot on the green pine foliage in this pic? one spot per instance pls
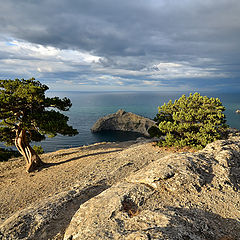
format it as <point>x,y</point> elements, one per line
<point>38,149</point>
<point>191,121</point>
<point>27,115</point>
<point>23,104</point>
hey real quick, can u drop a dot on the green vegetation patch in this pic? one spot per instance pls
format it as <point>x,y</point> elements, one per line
<point>38,149</point>
<point>190,121</point>
<point>27,115</point>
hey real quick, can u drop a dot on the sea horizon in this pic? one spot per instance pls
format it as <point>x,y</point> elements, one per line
<point>89,106</point>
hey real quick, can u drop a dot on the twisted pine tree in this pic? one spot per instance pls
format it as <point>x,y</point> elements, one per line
<point>26,115</point>
<point>191,121</point>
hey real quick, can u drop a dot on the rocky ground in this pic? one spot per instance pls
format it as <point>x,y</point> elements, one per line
<point>125,191</point>
<point>72,174</point>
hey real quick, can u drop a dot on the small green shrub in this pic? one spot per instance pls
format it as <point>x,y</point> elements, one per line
<point>191,121</point>
<point>38,149</point>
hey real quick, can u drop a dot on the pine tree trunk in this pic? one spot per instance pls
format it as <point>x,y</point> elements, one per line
<point>33,161</point>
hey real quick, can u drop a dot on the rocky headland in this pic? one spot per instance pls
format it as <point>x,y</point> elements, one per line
<point>131,191</point>
<point>124,121</point>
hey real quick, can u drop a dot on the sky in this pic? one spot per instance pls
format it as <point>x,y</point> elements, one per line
<point>139,45</point>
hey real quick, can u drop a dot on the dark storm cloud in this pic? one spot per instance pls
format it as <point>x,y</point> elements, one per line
<point>125,27</point>
<point>133,35</point>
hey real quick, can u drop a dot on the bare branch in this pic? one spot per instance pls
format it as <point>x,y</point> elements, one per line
<point>11,124</point>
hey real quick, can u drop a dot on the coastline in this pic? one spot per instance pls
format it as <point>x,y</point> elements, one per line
<point>87,108</point>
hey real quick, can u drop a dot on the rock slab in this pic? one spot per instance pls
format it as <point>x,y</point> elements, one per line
<point>123,121</point>
<point>194,196</point>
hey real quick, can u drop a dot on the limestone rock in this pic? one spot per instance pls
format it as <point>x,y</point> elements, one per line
<point>108,215</point>
<point>34,222</point>
<point>123,121</point>
<point>45,219</point>
<point>191,196</point>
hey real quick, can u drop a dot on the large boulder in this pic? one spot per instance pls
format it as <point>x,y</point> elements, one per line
<point>192,196</point>
<point>124,121</point>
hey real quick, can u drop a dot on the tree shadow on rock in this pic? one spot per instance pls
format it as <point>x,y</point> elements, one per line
<point>196,224</point>
<point>59,224</point>
<point>203,169</point>
<point>234,173</point>
<point>48,165</point>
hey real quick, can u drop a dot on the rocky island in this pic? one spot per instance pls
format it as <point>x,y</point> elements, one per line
<point>124,121</point>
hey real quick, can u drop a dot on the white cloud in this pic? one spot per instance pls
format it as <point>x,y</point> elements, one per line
<point>162,70</point>
<point>44,69</point>
<point>77,68</point>
<point>65,82</point>
<point>173,70</point>
<point>33,50</point>
<point>28,59</point>
<point>49,53</point>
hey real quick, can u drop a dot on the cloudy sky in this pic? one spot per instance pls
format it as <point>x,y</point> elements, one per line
<point>122,44</point>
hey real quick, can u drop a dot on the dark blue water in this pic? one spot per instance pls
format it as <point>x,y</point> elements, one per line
<point>89,106</point>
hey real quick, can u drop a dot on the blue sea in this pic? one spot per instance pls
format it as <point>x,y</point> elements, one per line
<point>87,107</point>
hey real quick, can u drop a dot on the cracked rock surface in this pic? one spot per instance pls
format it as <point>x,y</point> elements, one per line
<point>131,190</point>
<point>180,196</point>
<point>40,205</point>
